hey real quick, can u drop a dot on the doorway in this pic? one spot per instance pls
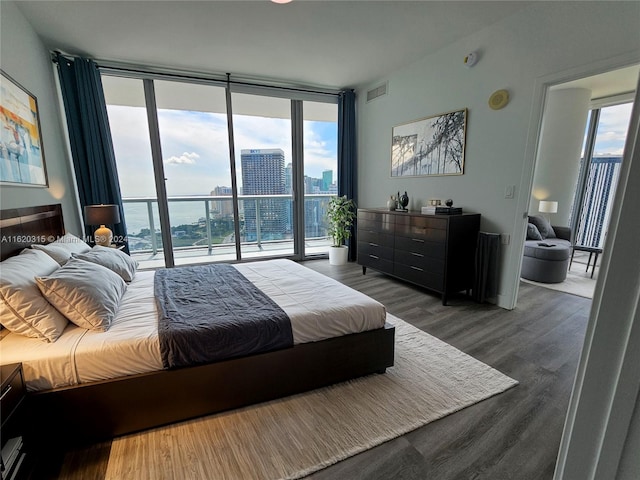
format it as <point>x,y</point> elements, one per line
<point>584,127</point>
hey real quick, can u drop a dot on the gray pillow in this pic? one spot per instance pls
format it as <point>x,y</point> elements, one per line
<point>113,259</point>
<point>543,226</point>
<point>532,232</point>
<point>62,249</point>
<point>23,309</point>
<point>86,293</point>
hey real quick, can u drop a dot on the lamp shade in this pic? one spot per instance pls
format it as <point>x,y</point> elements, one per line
<point>101,214</point>
<point>548,207</point>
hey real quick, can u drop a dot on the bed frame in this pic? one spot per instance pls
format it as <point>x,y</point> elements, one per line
<point>101,410</point>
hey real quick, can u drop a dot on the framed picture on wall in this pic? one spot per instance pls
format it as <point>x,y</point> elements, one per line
<point>21,152</point>
<point>429,146</point>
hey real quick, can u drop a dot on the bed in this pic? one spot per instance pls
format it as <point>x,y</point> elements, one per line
<point>88,396</point>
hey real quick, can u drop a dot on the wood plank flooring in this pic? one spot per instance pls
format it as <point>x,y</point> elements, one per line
<point>515,435</point>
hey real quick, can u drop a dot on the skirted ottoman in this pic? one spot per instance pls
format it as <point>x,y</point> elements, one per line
<point>547,260</point>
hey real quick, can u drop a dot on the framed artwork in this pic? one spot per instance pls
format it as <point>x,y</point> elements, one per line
<point>429,146</point>
<point>21,152</point>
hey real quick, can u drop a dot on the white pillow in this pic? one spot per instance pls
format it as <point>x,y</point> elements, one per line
<point>23,309</point>
<point>86,293</point>
<point>113,259</point>
<point>62,249</point>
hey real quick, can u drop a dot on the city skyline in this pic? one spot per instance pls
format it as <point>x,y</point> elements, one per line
<point>195,148</point>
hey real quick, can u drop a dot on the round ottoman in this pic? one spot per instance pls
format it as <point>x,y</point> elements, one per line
<point>546,264</point>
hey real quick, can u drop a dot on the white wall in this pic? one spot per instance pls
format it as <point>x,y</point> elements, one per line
<point>516,53</point>
<point>24,57</point>
<point>558,161</point>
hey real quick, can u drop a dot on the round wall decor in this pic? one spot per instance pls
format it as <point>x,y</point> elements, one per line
<point>499,99</point>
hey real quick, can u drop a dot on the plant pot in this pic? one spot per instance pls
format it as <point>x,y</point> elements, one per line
<point>338,255</point>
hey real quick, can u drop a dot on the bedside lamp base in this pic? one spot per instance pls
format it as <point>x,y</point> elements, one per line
<point>103,236</point>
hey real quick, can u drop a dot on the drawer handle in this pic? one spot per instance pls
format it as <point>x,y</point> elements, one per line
<point>417,240</point>
<point>417,268</point>
<point>374,257</point>
<point>374,244</point>
<point>6,391</point>
<point>417,254</point>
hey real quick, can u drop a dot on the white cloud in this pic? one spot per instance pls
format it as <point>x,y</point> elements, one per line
<point>184,159</point>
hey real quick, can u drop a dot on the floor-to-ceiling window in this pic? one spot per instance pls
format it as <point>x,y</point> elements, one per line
<point>599,171</point>
<point>216,207</point>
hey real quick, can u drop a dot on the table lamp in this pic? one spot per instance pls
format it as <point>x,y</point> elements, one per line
<point>547,206</point>
<point>102,215</point>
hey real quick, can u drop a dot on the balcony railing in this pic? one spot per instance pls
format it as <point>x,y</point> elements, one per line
<point>204,225</point>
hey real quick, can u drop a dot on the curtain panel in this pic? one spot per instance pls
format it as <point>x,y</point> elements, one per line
<point>90,138</point>
<point>347,157</point>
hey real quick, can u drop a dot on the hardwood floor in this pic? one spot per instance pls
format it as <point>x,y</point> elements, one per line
<point>514,435</point>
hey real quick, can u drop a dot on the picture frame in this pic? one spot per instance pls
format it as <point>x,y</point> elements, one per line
<point>430,146</point>
<point>21,151</point>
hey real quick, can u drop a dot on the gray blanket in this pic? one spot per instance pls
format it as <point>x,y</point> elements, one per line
<point>212,312</point>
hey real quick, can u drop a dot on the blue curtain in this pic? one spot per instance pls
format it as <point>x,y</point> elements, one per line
<point>347,158</point>
<point>91,146</point>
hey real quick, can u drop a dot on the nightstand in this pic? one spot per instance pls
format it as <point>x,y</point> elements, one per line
<point>12,397</point>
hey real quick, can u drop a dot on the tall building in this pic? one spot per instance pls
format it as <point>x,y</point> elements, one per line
<point>327,180</point>
<point>263,174</point>
<point>288,178</point>
<point>222,207</point>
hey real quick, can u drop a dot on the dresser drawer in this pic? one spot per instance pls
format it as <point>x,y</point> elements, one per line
<point>421,246</point>
<point>424,263</point>
<point>376,238</point>
<point>429,222</point>
<point>375,262</point>
<point>379,217</point>
<point>419,276</point>
<point>375,226</point>
<point>421,232</point>
<point>377,251</point>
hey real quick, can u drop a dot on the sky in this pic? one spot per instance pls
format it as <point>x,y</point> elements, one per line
<point>612,130</point>
<point>195,148</point>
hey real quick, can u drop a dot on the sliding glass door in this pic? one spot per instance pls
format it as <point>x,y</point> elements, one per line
<point>188,201</point>
<point>127,113</point>
<point>192,124</point>
<point>320,172</point>
<point>262,134</point>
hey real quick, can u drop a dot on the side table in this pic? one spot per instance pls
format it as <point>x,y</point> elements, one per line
<point>591,251</point>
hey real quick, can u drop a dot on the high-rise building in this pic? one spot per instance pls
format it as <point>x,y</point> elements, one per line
<point>288,178</point>
<point>222,207</point>
<point>327,180</point>
<point>263,174</point>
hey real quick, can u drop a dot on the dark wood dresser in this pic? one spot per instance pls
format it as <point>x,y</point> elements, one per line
<point>434,251</point>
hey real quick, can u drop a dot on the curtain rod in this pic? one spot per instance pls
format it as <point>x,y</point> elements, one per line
<point>122,68</point>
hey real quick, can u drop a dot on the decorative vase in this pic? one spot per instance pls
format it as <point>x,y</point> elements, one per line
<point>404,200</point>
<point>391,203</point>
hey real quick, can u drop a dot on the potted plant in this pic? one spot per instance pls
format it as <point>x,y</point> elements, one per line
<point>341,213</point>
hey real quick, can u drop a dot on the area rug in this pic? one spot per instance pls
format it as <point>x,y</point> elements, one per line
<point>298,435</point>
<point>578,281</point>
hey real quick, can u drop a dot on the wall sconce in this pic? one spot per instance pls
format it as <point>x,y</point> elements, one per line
<point>102,215</point>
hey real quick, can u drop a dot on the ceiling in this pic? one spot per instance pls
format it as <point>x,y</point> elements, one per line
<point>333,44</point>
<point>615,82</point>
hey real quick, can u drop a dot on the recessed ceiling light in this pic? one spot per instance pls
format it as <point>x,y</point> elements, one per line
<point>281,1</point>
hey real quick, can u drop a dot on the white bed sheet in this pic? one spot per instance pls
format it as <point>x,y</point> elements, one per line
<point>318,307</point>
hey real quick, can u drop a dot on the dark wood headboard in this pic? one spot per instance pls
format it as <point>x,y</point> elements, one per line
<point>21,227</point>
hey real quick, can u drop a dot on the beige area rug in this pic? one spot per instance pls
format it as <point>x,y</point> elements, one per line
<point>578,281</point>
<point>296,436</point>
